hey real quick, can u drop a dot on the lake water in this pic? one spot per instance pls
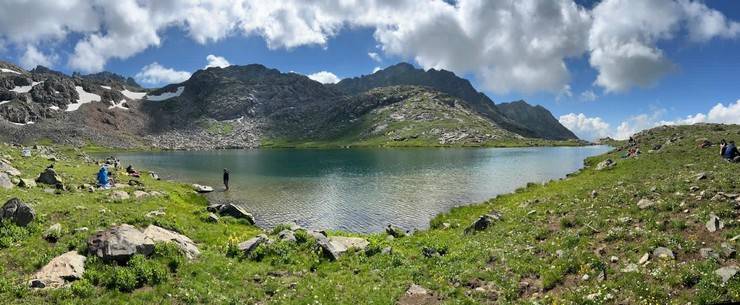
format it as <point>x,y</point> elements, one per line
<point>362,190</point>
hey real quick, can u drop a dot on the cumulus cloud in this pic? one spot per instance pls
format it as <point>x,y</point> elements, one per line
<point>156,74</point>
<point>376,69</point>
<point>588,128</point>
<point>32,57</point>
<point>324,77</point>
<point>509,45</point>
<point>623,40</point>
<point>374,56</point>
<point>216,61</point>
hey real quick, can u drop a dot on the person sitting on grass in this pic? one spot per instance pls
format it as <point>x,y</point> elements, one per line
<point>103,180</point>
<point>131,171</point>
<point>730,152</point>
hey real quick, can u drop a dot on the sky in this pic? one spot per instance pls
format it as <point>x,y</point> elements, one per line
<point>603,68</point>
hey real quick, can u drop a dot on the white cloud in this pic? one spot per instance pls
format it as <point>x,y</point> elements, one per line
<point>509,45</point>
<point>374,56</point>
<point>376,69</point>
<point>324,77</point>
<point>720,113</point>
<point>32,57</point>
<point>156,74</point>
<point>588,128</point>
<point>623,40</point>
<point>565,93</point>
<point>589,96</point>
<point>216,61</point>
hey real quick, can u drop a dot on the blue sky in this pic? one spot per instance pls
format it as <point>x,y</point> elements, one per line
<point>605,68</point>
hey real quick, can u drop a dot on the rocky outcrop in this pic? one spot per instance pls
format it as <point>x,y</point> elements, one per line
<point>120,243</point>
<point>49,176</point>
<point>230,209</point>
<point>248,246</point>
<point>158,234</point>
<point>60,271</point>
<point>334,246</point>
<point>17,212</point>
<point>483,222</point>
<point>5,182</point>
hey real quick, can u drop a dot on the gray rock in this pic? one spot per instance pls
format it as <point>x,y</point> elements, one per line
<point>251,244</point>
<point>644,259</point>
<point>394,231</point>
<point>483,222</point>
<point>726,273</point>
<point>5,182</point>
<point>119,243</point>
<point>714,223</point>
<point>631,267</point>
<point>417,295</point>
<point>727,250</point>
<point>701,176</point>
<point>140,194</point>
<point>17,212</point>
<point>155,213</point>
<point>9,169</point>
<point>154,176</point>
<point>236,212</point>
<point>27,183</point>
<point>119,195</point>
<point>287,235</point>
<point>708,253</point>
<point>158,234</point>
<point>645,203</point>
<point>663,253</point>
<point>202,188</point>
<point>60,271</point>
<point>49,176</point>
<point>606,164</point>
<point>53,232</point>
<point>212,217</point>
<point>386,251</point>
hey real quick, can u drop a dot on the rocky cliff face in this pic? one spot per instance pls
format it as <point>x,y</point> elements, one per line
<point>244,106</point>
<point>536,118</point>
<point>517,119</point>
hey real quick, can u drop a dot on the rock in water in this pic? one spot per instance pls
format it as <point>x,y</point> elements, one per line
<point>158,234</point>
<point>394,231</point>
<point>417,295</point>
<point>236,212</point>
<point>18,212</point>
<point>5,182</point>
<point>120,243</point>
<point>251,244</point>
<point>49,176</point>
<point>483,222</point>
<point>714,223</point>
<point>59,271</point>
<point>645,203</point>
<point>202,188</point>
<point>726,273</point>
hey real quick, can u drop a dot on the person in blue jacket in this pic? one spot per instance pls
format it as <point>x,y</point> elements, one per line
<point>103,178</point>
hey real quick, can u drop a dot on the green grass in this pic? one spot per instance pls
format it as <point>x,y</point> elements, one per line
<point>548,238</point>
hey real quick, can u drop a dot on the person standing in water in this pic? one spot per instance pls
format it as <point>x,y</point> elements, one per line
<point>226,178</point>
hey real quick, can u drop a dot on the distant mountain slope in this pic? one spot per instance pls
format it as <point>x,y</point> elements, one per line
<point>537,118</point>
<point>448,82</point>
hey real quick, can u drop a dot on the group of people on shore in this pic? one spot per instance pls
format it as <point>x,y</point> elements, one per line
<point>728,151</point>
<point>106,174</point>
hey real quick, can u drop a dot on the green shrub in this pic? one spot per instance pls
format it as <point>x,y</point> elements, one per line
<point>11,234</point>
<point>82,288</point>
<point>122,278</point>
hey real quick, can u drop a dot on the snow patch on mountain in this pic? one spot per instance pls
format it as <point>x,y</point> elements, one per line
<point>133,95</point>
<point>119,105</point>
<point>105,87</point>
<point>9,71</point>
<point>85,97</point>
<point>24,89</point>
<point>166,95</point>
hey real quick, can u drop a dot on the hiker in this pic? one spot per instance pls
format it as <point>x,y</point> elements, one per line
<point>103,180</point>
<point>731,153</point>
<point>722,146</point>
<point>117,164</point>
<point>226,178</point>
<point>131,171</point>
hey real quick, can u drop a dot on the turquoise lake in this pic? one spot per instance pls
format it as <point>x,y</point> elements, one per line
<point>362,190</point>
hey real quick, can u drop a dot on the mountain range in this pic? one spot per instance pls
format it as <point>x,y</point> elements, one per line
<point>253,106</point>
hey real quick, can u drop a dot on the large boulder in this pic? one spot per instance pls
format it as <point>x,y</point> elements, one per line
<point>120,243</point>
<point>483,222</point>
<point>606,164</point>
<point>232,210</point>
<point>394,231</point>
<point>714,223</point>
<point>119,195</point>
<point>17,212</point>
<point>726,273</point>
<point>59,271</point>
<point>334,246</point>
<point>27,183</point>
<point>202,188</point>
<point>8,169</point>
<point>251,244</point>
<point>5,182</point>
<point>158,234</point>
<point>49,176</point>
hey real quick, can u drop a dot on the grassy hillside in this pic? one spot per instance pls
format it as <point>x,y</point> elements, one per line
<point>569,241</point>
